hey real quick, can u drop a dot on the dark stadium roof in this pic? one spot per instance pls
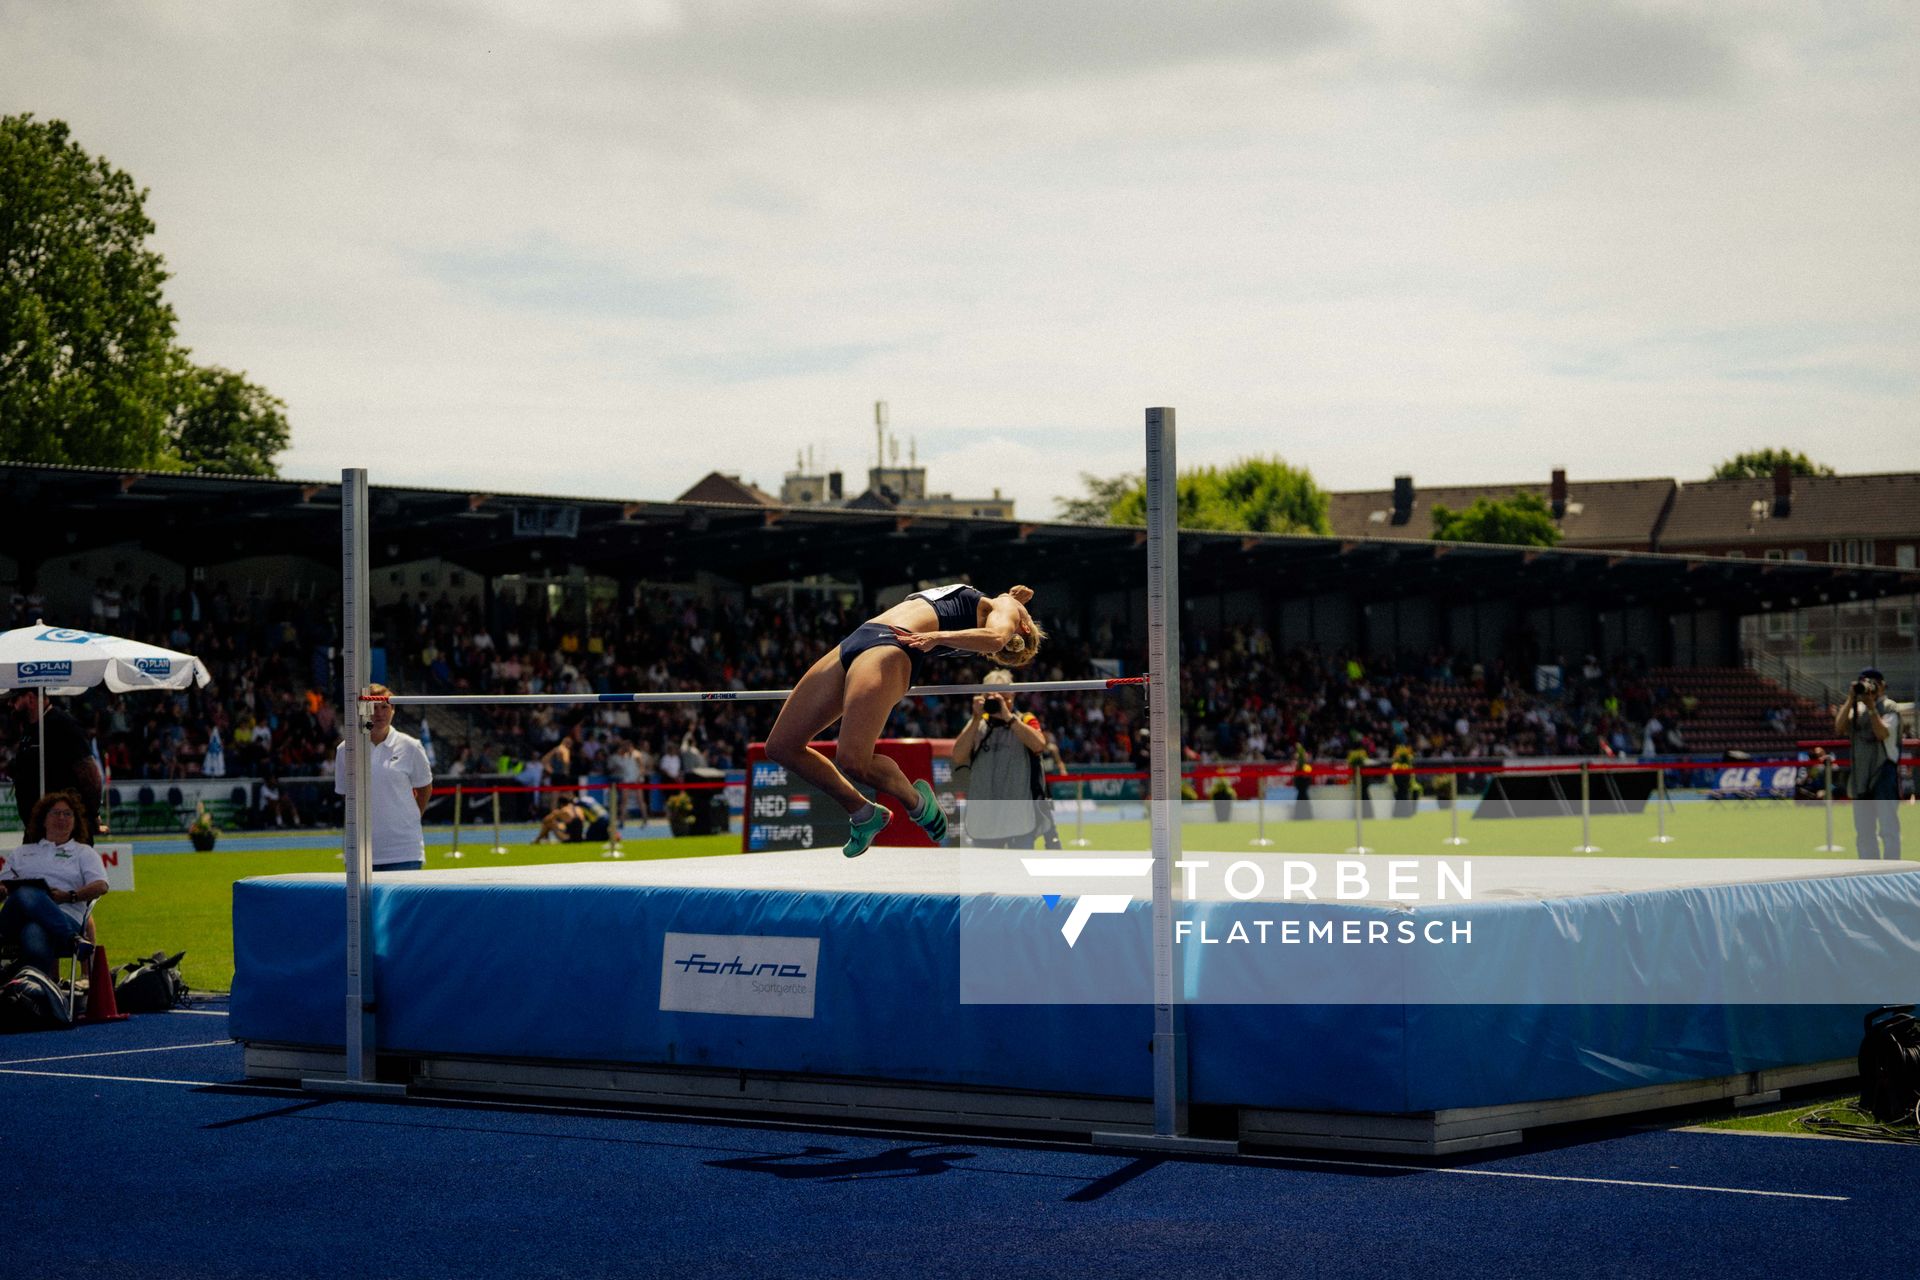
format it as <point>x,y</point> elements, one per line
<point>1723,512</point>
<point>210,520</point>
<point>717,486</point>
<point>1602,512</point>
<point>1667,515</point>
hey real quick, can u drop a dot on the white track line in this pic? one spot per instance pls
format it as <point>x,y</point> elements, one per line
<point>758,1122</point>
<point>112,1053</point>
<point>1560,1177</point>
<point>201,1013</point>
<point>190,1084</point>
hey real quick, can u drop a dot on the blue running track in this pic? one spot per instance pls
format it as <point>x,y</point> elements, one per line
<point>135,1150</point>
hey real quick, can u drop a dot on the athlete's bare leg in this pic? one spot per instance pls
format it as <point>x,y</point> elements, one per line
<point>809,710</point>
<point>875,683</point>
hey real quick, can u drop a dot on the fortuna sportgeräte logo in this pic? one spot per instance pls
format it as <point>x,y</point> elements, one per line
<point>42,672</point>
<point>154,666</point>
<point>739,975</point>
<point>700,962</point>
<point>1088,905</point>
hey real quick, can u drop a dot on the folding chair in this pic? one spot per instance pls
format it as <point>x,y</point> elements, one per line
<point>79,958</point>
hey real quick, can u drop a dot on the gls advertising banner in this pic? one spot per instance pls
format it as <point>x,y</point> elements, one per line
<point>721,973</point>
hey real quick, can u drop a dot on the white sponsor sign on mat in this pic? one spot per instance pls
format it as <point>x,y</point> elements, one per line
<point>724,973</point>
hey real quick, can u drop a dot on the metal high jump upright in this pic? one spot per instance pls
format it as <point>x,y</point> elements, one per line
<point>1163,799</point>
<point>356,654</point>
<point>1163,718</point>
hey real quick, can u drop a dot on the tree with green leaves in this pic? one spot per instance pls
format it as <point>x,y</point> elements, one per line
<point>1253,495</point>
<point>1524,520</point>
<point>226,424</point>
<point>1096,505</point>
<point>90,373</point>
<point>1760,464</point>
<point>88,365</point>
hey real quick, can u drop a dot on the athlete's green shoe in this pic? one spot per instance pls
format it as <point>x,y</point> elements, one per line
<point>931,817</point>
<point>864,832</point>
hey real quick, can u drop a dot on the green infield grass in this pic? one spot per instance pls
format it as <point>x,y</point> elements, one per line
<point>1704,829</point>
<point>1788,1119</point>
<point>184,901</point>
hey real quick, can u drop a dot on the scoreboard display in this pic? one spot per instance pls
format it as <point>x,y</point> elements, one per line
<point>784,811</point>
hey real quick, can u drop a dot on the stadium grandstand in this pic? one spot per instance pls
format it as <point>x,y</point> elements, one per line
<point>1374,640</point>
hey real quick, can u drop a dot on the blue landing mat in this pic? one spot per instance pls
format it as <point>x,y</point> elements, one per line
<point>578,972</point>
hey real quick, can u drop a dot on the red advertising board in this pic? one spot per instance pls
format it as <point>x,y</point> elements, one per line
<point>784,811</point>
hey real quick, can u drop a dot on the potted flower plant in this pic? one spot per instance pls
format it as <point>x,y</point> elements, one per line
<point>1302,782</point>
<point>203,833</point>
<point>1221,793</point>
<point>1406,792</point>
<point>680,813</point>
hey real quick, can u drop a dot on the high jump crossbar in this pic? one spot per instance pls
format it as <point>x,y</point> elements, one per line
<point>729,695</point>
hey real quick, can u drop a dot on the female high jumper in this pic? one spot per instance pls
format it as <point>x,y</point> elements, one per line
<point>859,683</point>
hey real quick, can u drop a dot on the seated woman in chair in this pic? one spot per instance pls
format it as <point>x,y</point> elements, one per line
<point>50,882</point>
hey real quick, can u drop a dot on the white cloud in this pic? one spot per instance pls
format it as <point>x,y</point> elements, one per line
<point>605,248</point>
<point>1609,49</point>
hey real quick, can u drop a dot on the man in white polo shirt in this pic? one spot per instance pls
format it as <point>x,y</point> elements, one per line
<point>401,781</point>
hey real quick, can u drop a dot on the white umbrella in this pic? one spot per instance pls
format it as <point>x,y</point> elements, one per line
<point>64,663</point>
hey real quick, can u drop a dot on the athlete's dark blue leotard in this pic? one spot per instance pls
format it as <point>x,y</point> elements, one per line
<point>957,608</point>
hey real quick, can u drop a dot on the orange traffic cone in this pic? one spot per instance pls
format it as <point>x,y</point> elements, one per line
<point>101,1006</point>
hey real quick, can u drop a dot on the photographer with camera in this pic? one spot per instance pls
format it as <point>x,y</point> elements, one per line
<point>1871,723</point>
<point>1004,790</point>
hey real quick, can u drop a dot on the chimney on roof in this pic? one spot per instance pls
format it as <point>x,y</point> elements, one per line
<point>1782,490</point>
<point>1402,499</point>
<point>1559,493</point>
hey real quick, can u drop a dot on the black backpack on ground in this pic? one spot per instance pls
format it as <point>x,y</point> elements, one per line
<point>1890,1064</point>
<point>153,985</point>
<point>31,1001</point>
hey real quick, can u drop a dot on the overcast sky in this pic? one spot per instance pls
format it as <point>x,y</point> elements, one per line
<point>604,246</point>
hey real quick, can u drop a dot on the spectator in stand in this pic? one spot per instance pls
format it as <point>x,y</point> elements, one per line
<point>462,764</point>
<point>561,768</point>
<point>400,783</point>
<point>1810,780</point>
<point>1243,697</point>
<point>530,774</point>
<point>276,807</point>
<point>559,762</point>
<point>629,768</point>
